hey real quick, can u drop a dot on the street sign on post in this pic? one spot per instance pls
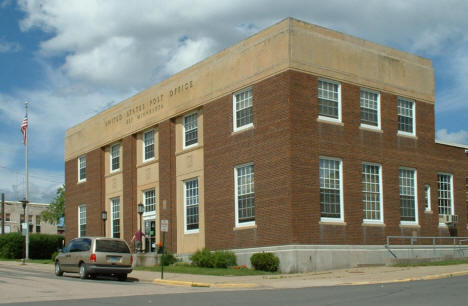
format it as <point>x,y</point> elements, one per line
<point>164,226</point>
<point>164,229</point>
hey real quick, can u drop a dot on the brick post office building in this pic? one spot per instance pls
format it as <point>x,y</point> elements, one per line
<point>299,140</point>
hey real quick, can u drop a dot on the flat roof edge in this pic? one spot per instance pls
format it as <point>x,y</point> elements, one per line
<point>445,143</point>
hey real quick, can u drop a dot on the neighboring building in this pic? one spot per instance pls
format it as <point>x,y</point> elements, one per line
<point>295,138</point>
<point>14,217</point>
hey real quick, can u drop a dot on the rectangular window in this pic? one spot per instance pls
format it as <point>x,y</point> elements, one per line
<point>243,110</point>
<point>372,192</point>
<point>22,218</point>
<point>408,212</point>
<point>427,197</point>
<point>115,215</point>
<point>7,217</point>
<point>81,220</point>
<point>445,191</point>
<point>329,99</point>
<point>148,145</point>
<point>38,224</point>
<point>244,195</point>
<point>190,130</point>
<point>331,189</point>
<point>115,157</point>
<point>191,205</point>
<point>82,168</point>
<point>406,116</point>
<point>370,106</point>
<point>149,197</point>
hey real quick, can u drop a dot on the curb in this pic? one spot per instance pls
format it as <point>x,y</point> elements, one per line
<point>411,279</point>
<point>199,284</point>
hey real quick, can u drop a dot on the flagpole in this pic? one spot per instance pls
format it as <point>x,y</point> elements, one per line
<point>26,217</point>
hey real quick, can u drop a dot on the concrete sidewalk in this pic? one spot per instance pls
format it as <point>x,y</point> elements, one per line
<point>352,276</point>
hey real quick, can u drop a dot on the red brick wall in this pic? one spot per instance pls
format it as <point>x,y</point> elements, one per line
<point>90,193</point>
<point>267,145</point>
<point>129,178</point>
<point>167,181</point>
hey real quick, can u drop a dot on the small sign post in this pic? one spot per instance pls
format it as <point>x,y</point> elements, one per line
<point>164,229</point>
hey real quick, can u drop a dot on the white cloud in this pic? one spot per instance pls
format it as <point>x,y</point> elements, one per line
<point>460,137</point>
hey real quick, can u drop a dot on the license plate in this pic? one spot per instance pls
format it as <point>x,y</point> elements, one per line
<point>114,259</point>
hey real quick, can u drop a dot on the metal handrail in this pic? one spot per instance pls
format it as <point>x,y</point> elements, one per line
<point>413,239</point>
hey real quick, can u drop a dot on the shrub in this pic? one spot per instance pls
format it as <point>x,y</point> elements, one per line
<point>54,255</point>
<point>265,262</point>
<point>168,259</point>
<point>224,259</point>
<point>42,246</point>
<point>11,245</point>
<point>203,258</point>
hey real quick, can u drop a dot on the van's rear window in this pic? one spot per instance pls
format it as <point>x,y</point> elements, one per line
<point>111,246</point>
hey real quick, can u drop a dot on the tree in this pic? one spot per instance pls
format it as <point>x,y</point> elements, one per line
<point>56,209</point>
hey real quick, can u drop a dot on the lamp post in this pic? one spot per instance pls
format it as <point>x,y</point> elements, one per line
<point>140,210</point>
<point>104,218</point>
<point>25,253</point>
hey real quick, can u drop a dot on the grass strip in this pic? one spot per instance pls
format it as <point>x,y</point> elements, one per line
<point>186,269</point>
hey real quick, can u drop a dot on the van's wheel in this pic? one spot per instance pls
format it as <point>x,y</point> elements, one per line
<point>122,277</point>
<point>58,269</point>
<point>83,271</point>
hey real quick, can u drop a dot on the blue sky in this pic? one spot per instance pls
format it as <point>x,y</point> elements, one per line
<point>72,59</point>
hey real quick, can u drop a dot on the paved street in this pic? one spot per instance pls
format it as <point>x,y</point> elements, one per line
<point>35,284</point>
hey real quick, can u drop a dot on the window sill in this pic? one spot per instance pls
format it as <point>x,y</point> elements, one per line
<point>338,222</point>
<point>192,232</point>
<point>323,119</point>
<point>81,182</point>
<point>406,135</point>
<point>409,225</point>
<point>246,227</point>
<point>373,224</point>
<point>113,173</point>
<point>369,128</point>
<point>148,162</point>
<point>188,150</point>
<point>428,212</point>
<point>243,129</point>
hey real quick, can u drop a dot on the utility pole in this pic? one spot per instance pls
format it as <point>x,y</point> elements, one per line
<point>3,213</point>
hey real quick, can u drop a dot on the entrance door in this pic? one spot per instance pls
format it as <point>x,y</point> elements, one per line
<point>150,233</point>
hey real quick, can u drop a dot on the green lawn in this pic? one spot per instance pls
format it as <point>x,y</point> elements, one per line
<point>446,262</point>
<point>38,261</point>
<point>205,271</point>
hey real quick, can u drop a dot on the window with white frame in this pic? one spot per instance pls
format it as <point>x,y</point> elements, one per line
<point>427,197</point>
<point>82,168</point>
<point>445,191</point>
<point>329,100</point>
<point>372,192</point>
<point>149,198</point>
<point>115,217</point>
<point>148,145</point>
<point>406,115</point>
<point>243,109</point>
<point>244,194</point>
<point>115,157</point>
<point>191,202</point>
<point>408,203</point>
<point>370,108</point>
<point>331,199</point>
<point>190,130</point>
<point>81,220</point>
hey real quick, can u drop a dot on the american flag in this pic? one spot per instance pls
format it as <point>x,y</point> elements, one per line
<point>24,128</point>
